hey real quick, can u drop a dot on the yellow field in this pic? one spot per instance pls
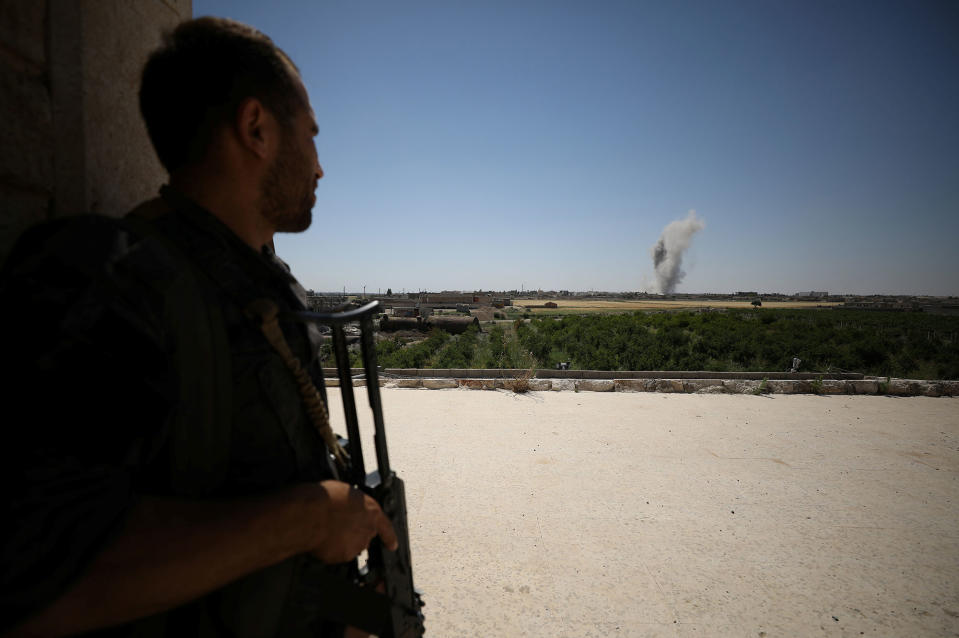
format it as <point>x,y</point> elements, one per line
<point>585,305</point>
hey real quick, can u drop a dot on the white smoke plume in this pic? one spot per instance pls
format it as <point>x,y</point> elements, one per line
<point>668,252</point>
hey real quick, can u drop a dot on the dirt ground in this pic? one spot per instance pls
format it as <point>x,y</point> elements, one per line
<point>564,514</point>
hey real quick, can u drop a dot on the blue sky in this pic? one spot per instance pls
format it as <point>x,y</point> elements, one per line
<point>494,145</point>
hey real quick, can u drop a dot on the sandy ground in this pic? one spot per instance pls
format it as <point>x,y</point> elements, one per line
<point>614,514</point>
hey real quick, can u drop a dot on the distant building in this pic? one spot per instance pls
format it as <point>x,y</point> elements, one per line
<point>325,303</point>
<point>472,298</point>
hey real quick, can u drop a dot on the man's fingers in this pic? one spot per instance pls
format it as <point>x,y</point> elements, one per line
<point>354,519</point>
<point>385,529</point>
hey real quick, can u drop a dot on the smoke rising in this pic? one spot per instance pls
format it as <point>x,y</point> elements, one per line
<point>668,252</point>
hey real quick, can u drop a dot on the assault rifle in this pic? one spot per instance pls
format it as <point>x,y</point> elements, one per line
<point>397,612</point>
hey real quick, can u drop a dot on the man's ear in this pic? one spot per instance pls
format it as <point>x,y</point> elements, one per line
<point>254,127</point>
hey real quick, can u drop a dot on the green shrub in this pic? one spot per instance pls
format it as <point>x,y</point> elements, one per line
<point>884,386</point>
<point>816,385</point>
<point>458,352</point>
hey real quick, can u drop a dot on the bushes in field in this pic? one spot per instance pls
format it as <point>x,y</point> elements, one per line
<point>458,353</point>
<point>396,353</point>
<point>900,344</point>
<point>886,344</point>
<point>498,348</point>
<point>503,350</point>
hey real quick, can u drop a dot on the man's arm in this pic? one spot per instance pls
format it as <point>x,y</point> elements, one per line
<point>169,552</point>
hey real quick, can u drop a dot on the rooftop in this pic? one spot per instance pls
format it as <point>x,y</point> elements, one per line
<point>620,514</point>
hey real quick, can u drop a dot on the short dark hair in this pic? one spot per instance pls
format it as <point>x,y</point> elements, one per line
<point>197,78</point>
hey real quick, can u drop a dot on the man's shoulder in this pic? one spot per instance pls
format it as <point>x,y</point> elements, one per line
<point>77,237</point>
<point>83,251</point>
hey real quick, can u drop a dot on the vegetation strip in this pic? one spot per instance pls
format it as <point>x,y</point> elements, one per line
<point>827,342</point>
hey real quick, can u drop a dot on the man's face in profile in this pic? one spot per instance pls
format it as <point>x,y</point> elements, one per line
<point>287,191</point>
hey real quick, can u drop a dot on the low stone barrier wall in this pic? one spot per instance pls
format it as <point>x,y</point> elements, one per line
<point>871,385</point>
<point>547,373</point>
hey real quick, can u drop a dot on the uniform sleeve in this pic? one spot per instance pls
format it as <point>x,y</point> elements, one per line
<point>87,392</point>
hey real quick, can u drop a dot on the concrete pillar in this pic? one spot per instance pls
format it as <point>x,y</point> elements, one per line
<point>71,137</point>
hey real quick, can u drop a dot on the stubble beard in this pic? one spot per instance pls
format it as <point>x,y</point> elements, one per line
<point>286,196</point>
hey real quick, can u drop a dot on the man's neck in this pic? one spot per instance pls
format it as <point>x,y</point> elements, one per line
<point>229,200</point>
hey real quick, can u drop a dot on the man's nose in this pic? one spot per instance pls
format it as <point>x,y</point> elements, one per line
<point>319,171</point>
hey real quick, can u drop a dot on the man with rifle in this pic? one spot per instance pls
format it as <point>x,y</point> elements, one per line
<point>163,475</point>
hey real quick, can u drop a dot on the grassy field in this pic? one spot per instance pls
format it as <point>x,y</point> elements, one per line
<point>576,306</point>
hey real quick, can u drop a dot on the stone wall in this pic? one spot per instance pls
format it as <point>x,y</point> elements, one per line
<point>71,137</point>
<point>513,373</point>
<point>872,385</point>
<point>26,131</point>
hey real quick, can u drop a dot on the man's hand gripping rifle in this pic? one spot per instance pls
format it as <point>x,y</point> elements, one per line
<point>397,612</point>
